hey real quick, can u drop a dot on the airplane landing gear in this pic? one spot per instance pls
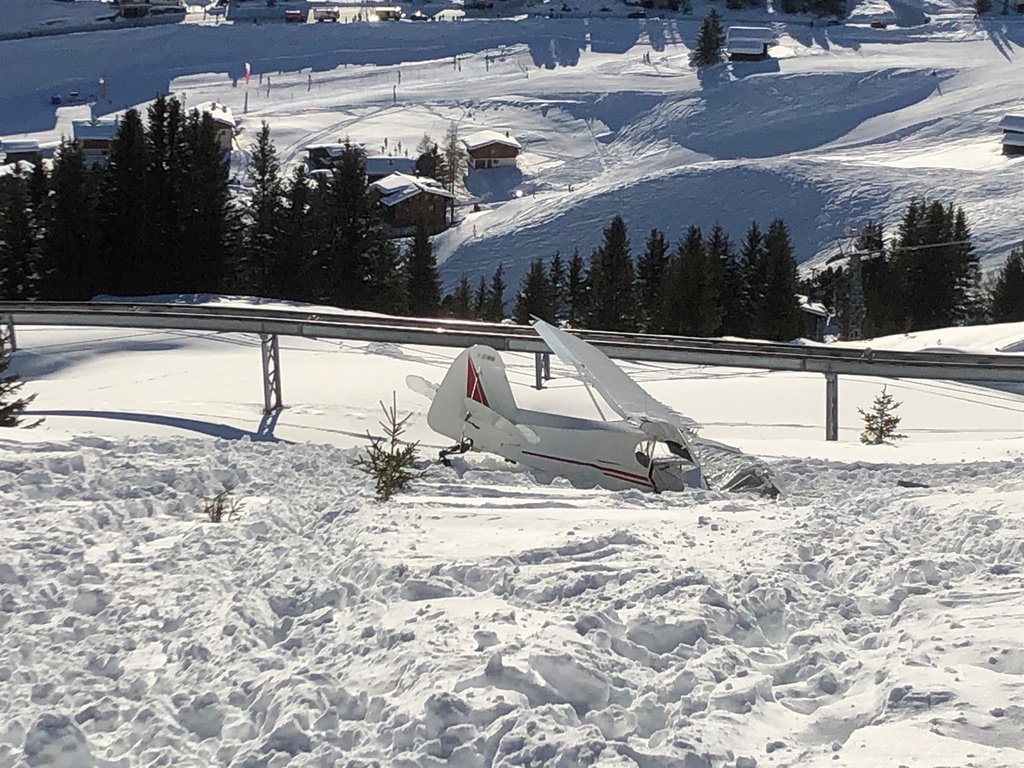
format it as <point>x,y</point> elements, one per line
<point>462,446</point>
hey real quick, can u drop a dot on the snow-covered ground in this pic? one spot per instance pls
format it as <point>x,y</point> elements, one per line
<point>871,617</point>
<point>842,124</point>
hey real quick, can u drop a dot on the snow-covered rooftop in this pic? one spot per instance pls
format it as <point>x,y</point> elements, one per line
<point>331,150</point>
<point>19,145</point>
<point>398,187</point>
<point>867,11</point>
<point>382,165</point>
<point>1013,139</point>
<point>483,138</point>
<point>1012,123</point>
<point>219,112</point>
<point>94,129</point>
<point>812,307</point>
<point>763,34</point>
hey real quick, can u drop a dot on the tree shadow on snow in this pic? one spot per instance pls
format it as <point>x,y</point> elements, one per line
<point>1005,37</point>
<point>559,50</point>
<point>613,35</point>
<point>808,35</point>
<point>741,69</point>
<point>40,362</point>
<point>493,184</point>
<point>264,433</point>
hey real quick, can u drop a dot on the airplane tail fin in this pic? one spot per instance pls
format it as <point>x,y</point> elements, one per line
<point>477,375</point>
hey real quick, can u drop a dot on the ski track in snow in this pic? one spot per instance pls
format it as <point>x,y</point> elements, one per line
<point>485,620</point>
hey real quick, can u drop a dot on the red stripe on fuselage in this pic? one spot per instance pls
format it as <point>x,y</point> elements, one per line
<point>618,474</point>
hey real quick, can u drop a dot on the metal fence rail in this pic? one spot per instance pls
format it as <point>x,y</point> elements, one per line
<point>269,324</point>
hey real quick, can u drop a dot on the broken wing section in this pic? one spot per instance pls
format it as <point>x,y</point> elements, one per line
<point>722,467</point>
<point>625,396</point>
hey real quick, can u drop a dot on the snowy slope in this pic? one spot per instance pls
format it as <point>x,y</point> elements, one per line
<point>843,124</point>
<point>869,618</point>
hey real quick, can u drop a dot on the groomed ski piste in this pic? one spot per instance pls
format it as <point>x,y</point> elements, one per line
<point>871,617</point>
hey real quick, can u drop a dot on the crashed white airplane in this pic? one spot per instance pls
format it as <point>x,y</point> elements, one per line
<point>651,447</point>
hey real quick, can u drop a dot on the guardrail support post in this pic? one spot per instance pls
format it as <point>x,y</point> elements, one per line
<point>271,353</point>
<point>831,407</point>
<point>547,366</point>
<point>538,370</point>
<point>9,339</point>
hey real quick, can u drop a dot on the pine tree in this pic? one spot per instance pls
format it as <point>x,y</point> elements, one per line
<point>536,297</point>
<point>779,318</point>
<point>266,269</point>
<point>480,299</point>
<point>577,291</point>
<point>388,279</point>
<point>968,299</point>
<point>1008,293</point>
<point>719,260</point>
<point>881,422</point>
<point>429,160</point>
<point>298,239</point>
<point>650,276</point>
<point>424,287</point>
<point>494,305</point>
<point>19,240</point>
<point>459,303</point>
<point>456,161</point>
<point>680,314</point>
<point>353,220</point>
<point>752,281</point>
<point>124,203</point>
<point>207,214</point>
<point>170,263</point>
<point>710,42</point>
<point>70,252</point>
<point>557,276</point>
<point>731,294</point>
<point>12,407</point>
<point>612,303</point>
<point>937,267</point>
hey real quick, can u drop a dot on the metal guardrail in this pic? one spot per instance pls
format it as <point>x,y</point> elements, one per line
<point>269,324</point>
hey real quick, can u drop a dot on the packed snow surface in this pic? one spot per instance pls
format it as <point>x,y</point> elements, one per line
<point>871,617</point>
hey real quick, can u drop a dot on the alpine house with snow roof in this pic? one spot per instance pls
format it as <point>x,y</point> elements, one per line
<point>1013,134</point>
<point>19,152</point>
<point>95,136</point>
<point>491,149</point>
<point>748,43</point>
<point>223,122</point>
<point>408,200</point>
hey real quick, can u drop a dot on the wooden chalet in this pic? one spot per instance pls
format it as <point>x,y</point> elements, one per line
<point>1013,134</point>
<point>408,200</point>
<point>20,152</point>
<point>223,122</point>
<point>95,136</point>
<point>492,149</point>
<point>382,166</point>
<point>748,43</point>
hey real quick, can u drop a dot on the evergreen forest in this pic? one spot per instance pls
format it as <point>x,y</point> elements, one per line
<point>160,217</point>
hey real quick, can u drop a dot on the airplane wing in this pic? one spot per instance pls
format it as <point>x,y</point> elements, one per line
<point>627,398</point>
<point>723,466</point>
